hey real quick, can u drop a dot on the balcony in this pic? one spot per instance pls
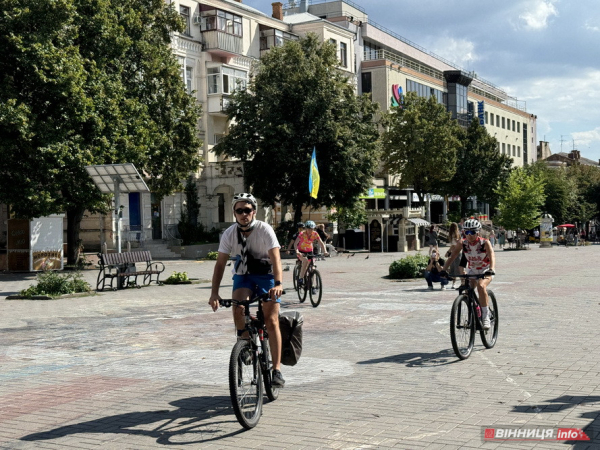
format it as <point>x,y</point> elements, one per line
<point>222,44</point>
<point>217,104</point>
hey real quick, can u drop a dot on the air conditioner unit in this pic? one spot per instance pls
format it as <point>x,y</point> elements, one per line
<point>197,20</point>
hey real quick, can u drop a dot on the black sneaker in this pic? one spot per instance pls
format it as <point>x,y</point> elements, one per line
<point>277,380</point>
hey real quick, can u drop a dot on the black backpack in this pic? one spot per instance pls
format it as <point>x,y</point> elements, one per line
<point>290,326</point>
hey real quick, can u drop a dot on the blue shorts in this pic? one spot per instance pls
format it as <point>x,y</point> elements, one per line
<point>264,282</point>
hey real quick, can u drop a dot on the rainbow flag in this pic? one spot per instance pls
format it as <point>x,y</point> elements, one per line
<point>314,179</point>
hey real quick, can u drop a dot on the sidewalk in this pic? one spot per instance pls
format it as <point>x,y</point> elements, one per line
<point>147,368</point>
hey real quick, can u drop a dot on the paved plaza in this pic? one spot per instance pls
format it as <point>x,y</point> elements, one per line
<point>148,368</point>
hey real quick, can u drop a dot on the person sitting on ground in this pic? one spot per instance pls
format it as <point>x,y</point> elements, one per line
<point>433,270</point>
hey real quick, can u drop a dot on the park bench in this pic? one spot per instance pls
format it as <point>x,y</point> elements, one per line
<point>122,267</point>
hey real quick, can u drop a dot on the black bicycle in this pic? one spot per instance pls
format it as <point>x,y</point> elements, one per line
<point>312,285</point>
<point>465,318</point>
<point>251,365</point>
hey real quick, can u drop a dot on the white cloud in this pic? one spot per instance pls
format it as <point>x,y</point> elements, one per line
<point>459,51</point>
<point>592,27</point>
<point>586,138</point>
<point>537,15</point>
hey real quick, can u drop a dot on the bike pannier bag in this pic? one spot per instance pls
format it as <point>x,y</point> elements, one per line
<point>290,325</point>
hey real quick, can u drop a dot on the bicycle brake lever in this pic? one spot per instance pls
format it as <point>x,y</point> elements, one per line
<point>225,303</point>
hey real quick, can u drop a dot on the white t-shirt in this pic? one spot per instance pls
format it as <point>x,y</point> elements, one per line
<point>259,242</point>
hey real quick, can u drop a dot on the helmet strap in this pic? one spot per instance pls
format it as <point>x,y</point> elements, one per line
<point>248,227</point>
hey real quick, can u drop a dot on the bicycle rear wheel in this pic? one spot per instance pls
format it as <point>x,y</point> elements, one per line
<point>488,337</point>
<point>245,384</point>
<point>267,372</point>
<point>296,275</point>
<point>316,288</point>
<point>462,327</point>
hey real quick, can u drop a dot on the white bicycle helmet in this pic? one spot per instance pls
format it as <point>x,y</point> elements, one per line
<point>244,197</point>
<point>472,224</point>
<point>310,224</point>
<point>248,198</point>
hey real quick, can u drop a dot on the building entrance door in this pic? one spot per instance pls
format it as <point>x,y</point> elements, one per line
<point>156,218</point>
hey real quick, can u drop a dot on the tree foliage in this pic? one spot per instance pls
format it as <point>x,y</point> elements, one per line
<point>521,199</point>
<point>421,143</point>
<point>352,216</point>
<point>85,83</point>
<point>296,101</point>
<point>480,168</point>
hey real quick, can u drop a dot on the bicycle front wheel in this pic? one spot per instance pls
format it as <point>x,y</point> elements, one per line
<point>303,290</point>
<point>267,372</point>
<point>462,327</point>
<point>488,337</point>
<point>245,384</point>
<point>316,288</point>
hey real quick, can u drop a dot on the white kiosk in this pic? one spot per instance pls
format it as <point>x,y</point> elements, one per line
<point>35,245</point>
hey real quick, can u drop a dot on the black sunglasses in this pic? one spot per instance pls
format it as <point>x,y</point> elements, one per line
<point>470,232</point>
<point>244,210</point>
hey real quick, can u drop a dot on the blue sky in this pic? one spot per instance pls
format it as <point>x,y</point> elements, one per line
<point>545,53</point>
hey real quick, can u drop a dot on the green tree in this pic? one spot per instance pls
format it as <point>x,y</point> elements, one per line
<point>352,216</point>
<point>480,167</point>
<point>85,83</point>
<point>521,199</point>
<point>584,200</point>
<point>299,100</point>
<point>420,143</point>
<point>558,189</point>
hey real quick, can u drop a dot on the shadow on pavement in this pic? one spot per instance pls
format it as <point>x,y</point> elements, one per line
<point>567,402</point>
<point>197,420</point>
<point>440,358</point>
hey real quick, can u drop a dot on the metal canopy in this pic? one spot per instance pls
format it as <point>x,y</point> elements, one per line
<point>112,177</point>
<point>419,222</point>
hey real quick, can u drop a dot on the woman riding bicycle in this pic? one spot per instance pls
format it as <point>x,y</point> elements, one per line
<point>481,260</point>
<point>304,246</point>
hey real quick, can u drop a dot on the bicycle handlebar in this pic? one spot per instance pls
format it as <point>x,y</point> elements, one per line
<point>227,302</point>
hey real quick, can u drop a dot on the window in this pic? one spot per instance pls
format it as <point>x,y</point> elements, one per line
<point>424,91</point>
<point>486,117</point>
<point>367,85</point>
<point>518,152</point>
<point>275,38</point>
<point>186,73</point>
<point>491,119</point>
<point>184,12</point>
<point>503,123</point>
<point>217,138</point>
<point>518,127</point>
<point>222,21</point>
<point>514,150</point>
<point>225,80</point>
<point>513,127</point>
<point>503,148</point>
<point>343,54</point>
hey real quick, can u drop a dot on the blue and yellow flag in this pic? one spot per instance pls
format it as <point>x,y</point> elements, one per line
<point>314,179</point>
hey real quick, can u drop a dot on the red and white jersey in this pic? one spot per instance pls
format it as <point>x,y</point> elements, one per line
<point>475,253</point>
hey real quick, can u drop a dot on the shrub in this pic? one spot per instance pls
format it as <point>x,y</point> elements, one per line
<point>54,284</point>
<point>212,255</point>
<point>177,277</point>
<point>411,266</point>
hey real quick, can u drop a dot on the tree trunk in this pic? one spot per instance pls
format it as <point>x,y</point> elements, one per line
<point>74,216</point>
<point>463,206</point>
<point>297,213</point>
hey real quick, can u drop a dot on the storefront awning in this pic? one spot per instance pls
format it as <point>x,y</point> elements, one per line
<point>419,222</point>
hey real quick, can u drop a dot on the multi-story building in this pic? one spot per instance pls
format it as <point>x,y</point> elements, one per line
<point>216,52</point>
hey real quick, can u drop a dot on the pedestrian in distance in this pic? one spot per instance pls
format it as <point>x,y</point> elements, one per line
<point>431,239</point>
<point>455,240</point>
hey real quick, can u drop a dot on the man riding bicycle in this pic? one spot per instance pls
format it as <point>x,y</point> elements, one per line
<point>254,245</point>
<point>480,260</point>
<point>304,247</point>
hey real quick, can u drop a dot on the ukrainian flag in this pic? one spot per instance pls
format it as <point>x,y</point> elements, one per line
<point>314,179</point>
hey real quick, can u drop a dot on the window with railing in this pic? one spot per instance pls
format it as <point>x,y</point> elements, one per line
<point>222,21</point>
<point>225,80</point>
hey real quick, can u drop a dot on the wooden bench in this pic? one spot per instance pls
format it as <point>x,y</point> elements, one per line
<point>122,267</point>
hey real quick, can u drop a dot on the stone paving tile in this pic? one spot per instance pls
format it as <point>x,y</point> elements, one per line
<point>148,368</point>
